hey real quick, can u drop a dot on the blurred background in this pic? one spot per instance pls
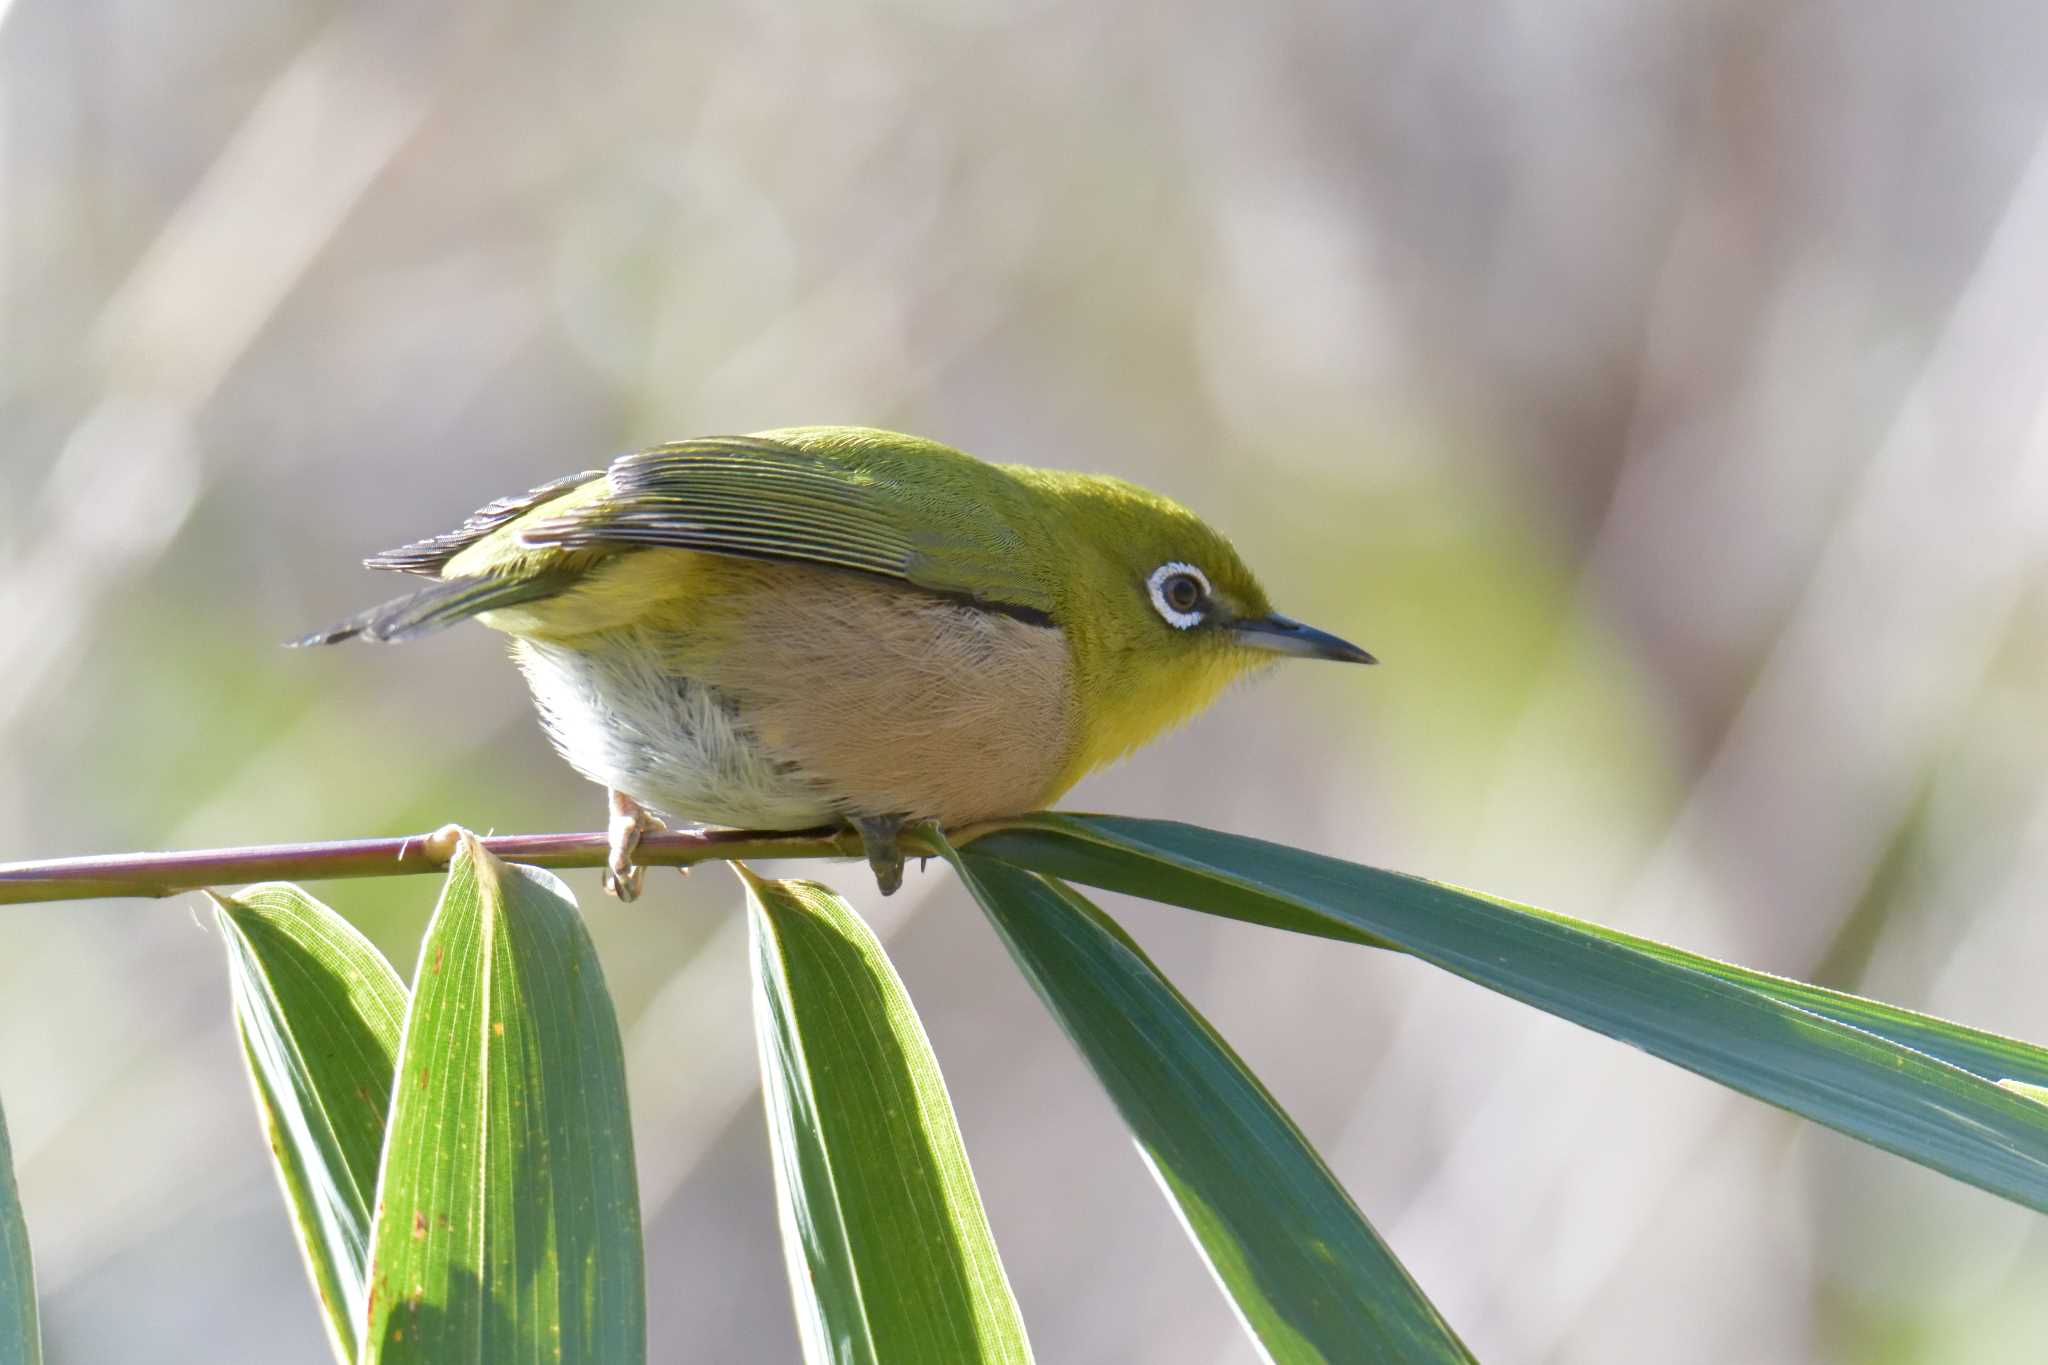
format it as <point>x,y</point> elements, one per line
<point>1656,387</point>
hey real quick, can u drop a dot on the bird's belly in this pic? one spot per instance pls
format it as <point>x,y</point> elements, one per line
<point>787,696</point>
<point>621,717</point>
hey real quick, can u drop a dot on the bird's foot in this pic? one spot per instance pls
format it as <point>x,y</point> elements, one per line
<point>629,821</point>
<point>878,838</point>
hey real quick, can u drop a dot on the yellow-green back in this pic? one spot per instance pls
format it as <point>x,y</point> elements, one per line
<point>1063,550</point>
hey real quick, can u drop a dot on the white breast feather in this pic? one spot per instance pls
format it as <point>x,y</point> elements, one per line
<point>620,718</point>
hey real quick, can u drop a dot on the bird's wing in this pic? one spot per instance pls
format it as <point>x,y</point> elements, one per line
<point>431,555</point>
<point>766,499</point>
<point>736,496</point>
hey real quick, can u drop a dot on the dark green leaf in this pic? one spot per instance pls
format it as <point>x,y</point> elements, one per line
<point>20,1339</point>
<point>1310,1278</point>
<point>890,1256</point>
<point>319,1011</point>
<point>1989,1055</point>
<point>508,1223</point>
<point>1736,1027</point>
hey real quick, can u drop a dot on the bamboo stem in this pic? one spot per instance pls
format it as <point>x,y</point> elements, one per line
<point>167,874</point>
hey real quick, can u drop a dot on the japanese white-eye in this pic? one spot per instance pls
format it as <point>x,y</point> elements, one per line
<point>836,624</point>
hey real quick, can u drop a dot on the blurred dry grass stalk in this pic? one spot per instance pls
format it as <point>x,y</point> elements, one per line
<point>1658,388</point>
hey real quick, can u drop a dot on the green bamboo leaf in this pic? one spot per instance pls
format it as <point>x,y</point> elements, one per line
<point>21,1341</point>
<point>1990,1055</point>
<point>2036,1093</point>
<point>890,1256</point>
<point>1310,1279</point>
<point>1732,1026</point>
<point>508,1222</point>
<point>319,1010</point>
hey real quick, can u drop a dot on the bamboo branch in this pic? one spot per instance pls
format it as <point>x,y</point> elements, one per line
<point>167,874</point>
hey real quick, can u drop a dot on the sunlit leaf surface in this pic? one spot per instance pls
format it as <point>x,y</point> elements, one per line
<point>508,1223</point>
<point>890,1257</point>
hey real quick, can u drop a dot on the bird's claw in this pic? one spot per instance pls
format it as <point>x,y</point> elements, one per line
<point>625,883</point>
<point>628,822</point>
<point>879,835</point>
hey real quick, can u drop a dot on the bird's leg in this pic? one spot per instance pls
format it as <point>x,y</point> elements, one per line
<point>622,877</point>
<point>878,836</point>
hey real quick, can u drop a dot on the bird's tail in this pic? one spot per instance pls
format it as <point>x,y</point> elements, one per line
<point>443,604</point>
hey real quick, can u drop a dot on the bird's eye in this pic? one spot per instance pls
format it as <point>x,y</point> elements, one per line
<point>1179,593</point>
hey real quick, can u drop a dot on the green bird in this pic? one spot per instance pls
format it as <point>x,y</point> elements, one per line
<point>828,625</point>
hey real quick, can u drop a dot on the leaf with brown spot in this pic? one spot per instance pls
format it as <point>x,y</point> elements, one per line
<point>517,1139</point>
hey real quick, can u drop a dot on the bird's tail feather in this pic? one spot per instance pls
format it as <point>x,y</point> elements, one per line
<point>443,604</point>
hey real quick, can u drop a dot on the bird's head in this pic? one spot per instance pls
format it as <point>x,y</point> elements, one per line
<point>1163,614</point>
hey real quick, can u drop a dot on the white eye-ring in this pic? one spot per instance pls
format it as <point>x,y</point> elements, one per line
<point>1179,592</point>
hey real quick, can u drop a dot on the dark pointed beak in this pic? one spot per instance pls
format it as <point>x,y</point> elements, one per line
<point>1277,634</point>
